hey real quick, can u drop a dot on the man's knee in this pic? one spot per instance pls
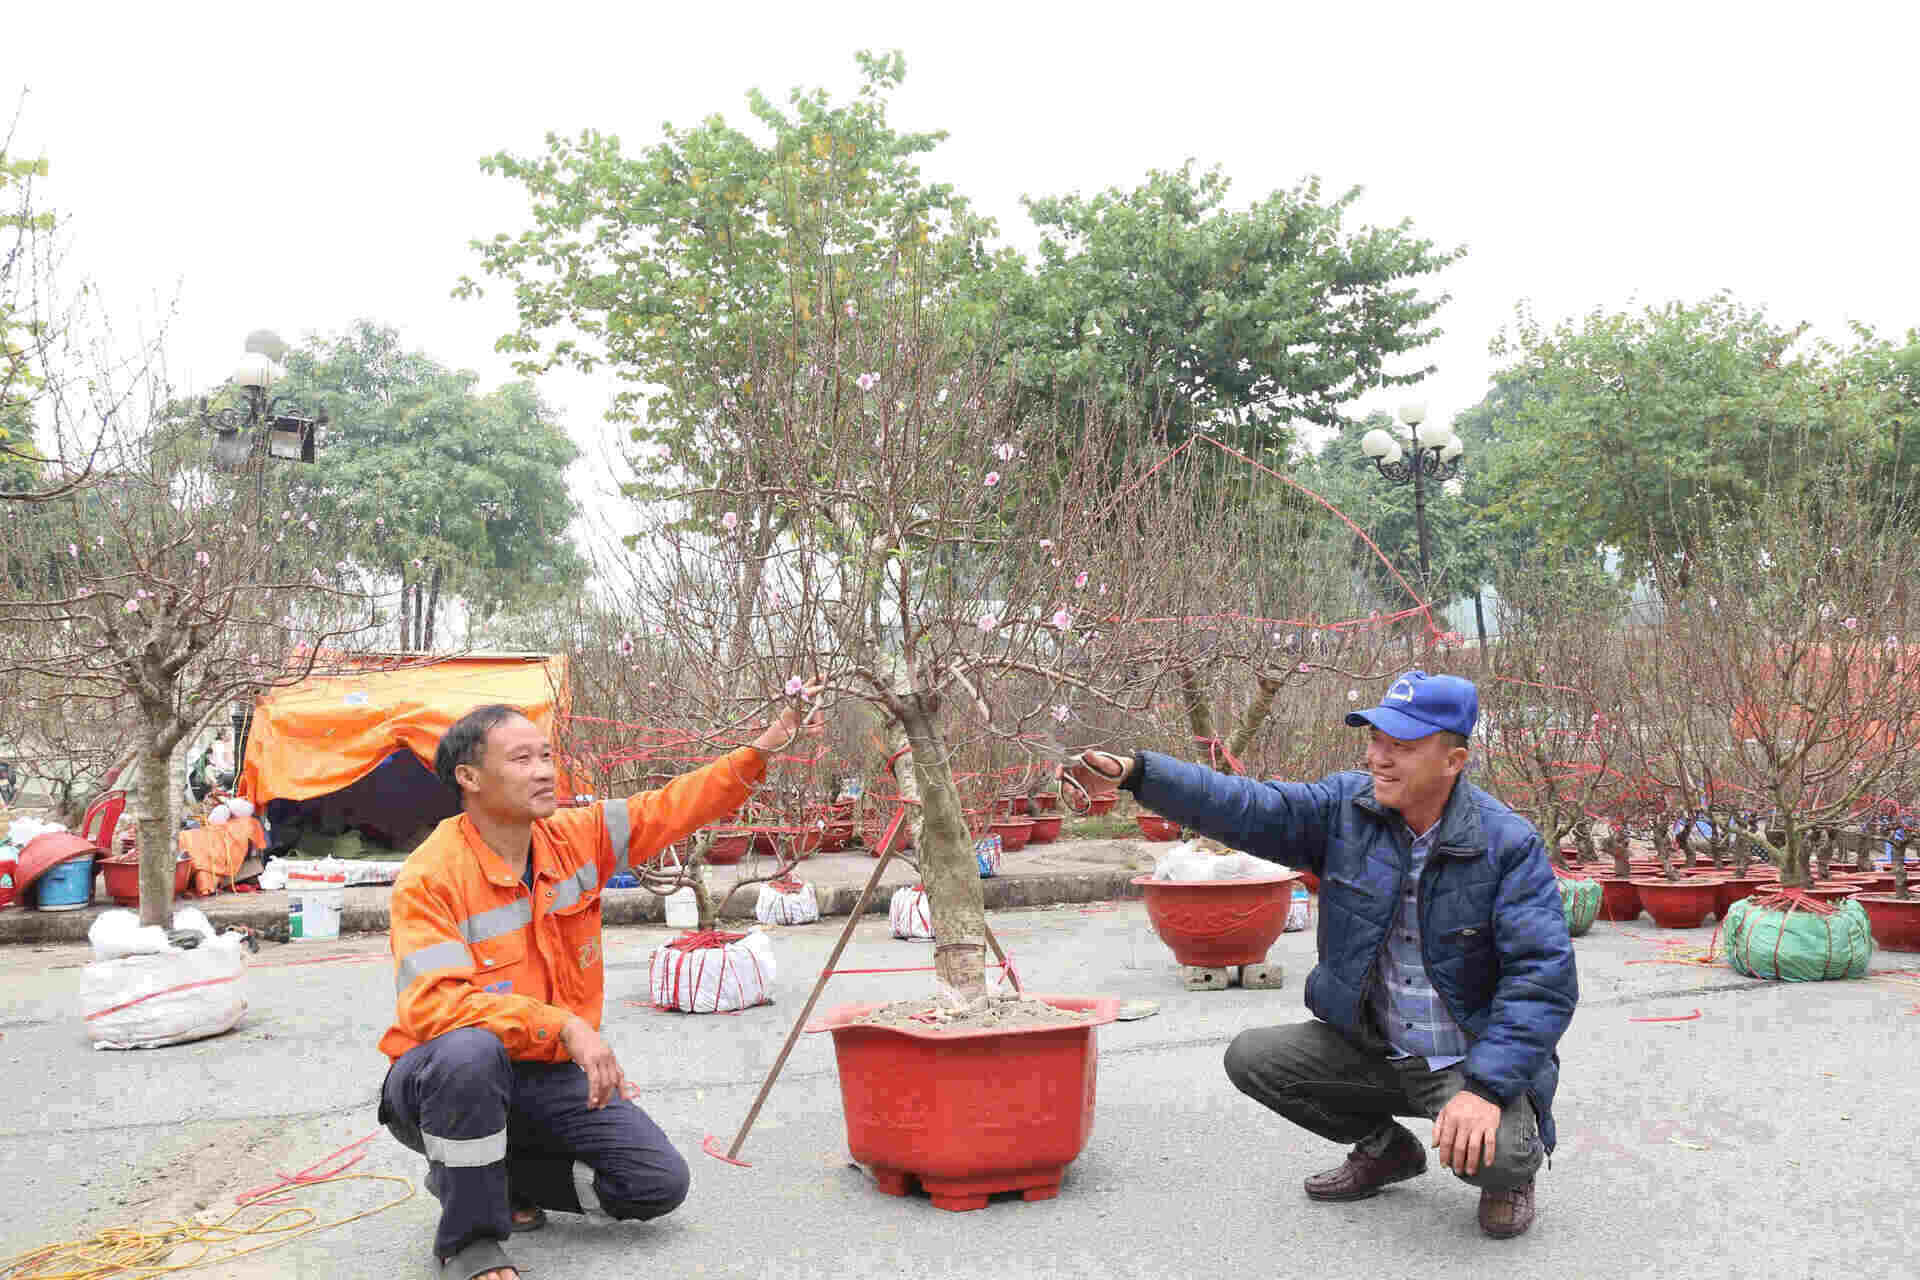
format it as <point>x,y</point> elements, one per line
<point>1517,1151</point>
<point>650,1188</point>
<point>463,1055</point>
<point>1268,1058</point>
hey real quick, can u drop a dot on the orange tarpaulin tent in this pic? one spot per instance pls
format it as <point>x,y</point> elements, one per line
<point>328,732</point>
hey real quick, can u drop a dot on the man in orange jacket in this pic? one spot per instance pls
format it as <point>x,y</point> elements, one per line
<point>499,1074</point>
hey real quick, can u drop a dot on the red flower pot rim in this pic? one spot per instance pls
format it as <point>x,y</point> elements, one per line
<point>1105,1009</point>
<point>1279,878</point>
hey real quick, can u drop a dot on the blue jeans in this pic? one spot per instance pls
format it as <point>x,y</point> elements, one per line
<point>487,1124</point>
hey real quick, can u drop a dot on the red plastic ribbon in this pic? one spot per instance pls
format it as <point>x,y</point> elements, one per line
<point>1682,1017</point>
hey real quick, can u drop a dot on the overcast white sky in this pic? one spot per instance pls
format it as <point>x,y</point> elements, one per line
<point>297,167</point>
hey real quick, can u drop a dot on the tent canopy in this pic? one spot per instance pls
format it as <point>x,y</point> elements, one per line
<point>328,732</point>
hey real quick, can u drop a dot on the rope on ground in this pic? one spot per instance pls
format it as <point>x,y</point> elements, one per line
<point>131,1252</point>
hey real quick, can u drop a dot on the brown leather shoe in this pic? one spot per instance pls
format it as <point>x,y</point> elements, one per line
<point>1505,1214</point>
<point>1364,1175</point>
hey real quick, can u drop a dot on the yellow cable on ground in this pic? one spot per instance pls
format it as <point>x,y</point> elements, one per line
<point>118,1252</point>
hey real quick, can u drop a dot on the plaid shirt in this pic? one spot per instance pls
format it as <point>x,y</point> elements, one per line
<point>1406,1008</point>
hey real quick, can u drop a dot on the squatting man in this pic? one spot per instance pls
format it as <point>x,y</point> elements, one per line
<point>1446,974</point>
<point>498,1073</point>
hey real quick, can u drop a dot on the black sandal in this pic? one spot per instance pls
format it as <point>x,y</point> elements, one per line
<point>478,1258</point>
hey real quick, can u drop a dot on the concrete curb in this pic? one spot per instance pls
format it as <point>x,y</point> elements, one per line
<point>19,925</point>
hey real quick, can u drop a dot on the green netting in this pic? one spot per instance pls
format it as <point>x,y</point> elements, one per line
<point>1580,899</point>
<point>1797,945</point>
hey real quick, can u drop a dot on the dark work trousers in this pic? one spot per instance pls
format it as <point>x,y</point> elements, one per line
<point>1317,1078</point>
<point>488,1125</point>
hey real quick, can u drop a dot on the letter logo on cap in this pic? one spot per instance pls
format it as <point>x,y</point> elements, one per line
<point>1402,691</point>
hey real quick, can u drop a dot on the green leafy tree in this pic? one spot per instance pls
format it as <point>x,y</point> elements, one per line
<point>448,491</point>
<point>712,257</point>
<point>1643,421</point>
<point>1164,304</point>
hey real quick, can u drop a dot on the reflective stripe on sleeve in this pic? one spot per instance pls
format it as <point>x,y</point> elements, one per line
<point>619,830</point>
<point>570,890</point>
<point>517,914</point>
<point>466,1153</point>
<point>441,955</point>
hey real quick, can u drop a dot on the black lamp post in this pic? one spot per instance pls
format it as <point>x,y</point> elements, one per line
<point>273,424</point>
<point>1434,459</point>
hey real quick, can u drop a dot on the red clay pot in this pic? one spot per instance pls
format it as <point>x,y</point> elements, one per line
<point>967,1113</point>
<point>1015,806</point>
<point>1013,833</point>
<point>1731,890</point>
<point>1097,805</point>
<point>1619,900</point>
<point>1155,827</point>
<point>1895,922</point>
<point>1044,803</point>
<point>730,846</point>
<point>1214,923</point>
<point>1682,904</point>
<point>1045,830</point>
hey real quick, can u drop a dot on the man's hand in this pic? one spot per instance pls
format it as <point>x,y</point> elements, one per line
<point>794,722</point>
<point>1463,1130</point>
<point>1099,772</point>
<point>584,1046</point>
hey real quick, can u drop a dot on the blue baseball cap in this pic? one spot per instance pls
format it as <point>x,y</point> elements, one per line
<point>1419,705</point>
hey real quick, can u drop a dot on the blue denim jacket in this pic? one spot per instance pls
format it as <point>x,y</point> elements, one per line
<point>1492,929</point>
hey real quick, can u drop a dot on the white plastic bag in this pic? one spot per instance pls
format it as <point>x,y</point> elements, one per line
<point>786,902</point>
<point>1188,861</point>
<point>1299,911</point>
<point>145,1001</point>
<point>910,915</point>
<point>718,979</point>
<point>357,870</point>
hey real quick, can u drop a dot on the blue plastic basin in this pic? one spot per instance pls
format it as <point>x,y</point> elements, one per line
<point>65,884</point>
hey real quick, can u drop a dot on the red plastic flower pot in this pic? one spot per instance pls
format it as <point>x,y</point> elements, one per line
<point>1895,922</point>
<point>1013,833</point>
<point>1013,806</point>
<point>1045,830</point>
<point>1831,892</point>
<point>730,845</point>
<point>1677,904</point>
<point>122,876</point>
<point>1155,827</point>
<point>763,843</point>
<point>1731,890</point>
<point>968,1113</point>
<point>1097,805</point>
<point>1619,900</point>
<point>1044,803</point>
<point>1214,923</point>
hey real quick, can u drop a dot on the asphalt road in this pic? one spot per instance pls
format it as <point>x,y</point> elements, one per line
<point>1771,1137</point>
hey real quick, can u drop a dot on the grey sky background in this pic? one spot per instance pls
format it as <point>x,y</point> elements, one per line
<point>297,167</point>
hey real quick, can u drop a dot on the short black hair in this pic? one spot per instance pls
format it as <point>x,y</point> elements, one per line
<point>1453,739</point>
<point>465,741</point>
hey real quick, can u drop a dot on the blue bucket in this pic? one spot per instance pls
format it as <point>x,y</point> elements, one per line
<point>65,886</point>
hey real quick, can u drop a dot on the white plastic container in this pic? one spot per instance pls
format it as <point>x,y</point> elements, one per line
<point>683,910</point>
<point>314,900</point>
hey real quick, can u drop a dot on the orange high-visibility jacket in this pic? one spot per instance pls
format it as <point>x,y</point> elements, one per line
<point>472,948</point>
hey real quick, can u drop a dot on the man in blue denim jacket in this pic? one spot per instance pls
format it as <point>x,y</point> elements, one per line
<point>1446,974</point>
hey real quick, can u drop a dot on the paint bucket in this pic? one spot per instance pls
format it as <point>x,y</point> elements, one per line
<point>314,900</point>
<point>7,867</point>
<point>65,886</point>
<point>683,910</point>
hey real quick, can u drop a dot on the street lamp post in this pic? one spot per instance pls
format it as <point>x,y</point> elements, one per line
<point>259,422</point>
<point>1434,459</point>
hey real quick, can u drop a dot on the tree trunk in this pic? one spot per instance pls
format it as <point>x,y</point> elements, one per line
<point>157,823</point>
<point>1480,624</point>
<point>1256,716</point>
<point>1663,845</point>
<point>1617,848</point>
<point>947,866</point>
<point>751,574</point>
<point>432,610</point>
<point>406,614</point>
<point>1900,865</point>
<point>1793,861</point>
<point>1199,715</point>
